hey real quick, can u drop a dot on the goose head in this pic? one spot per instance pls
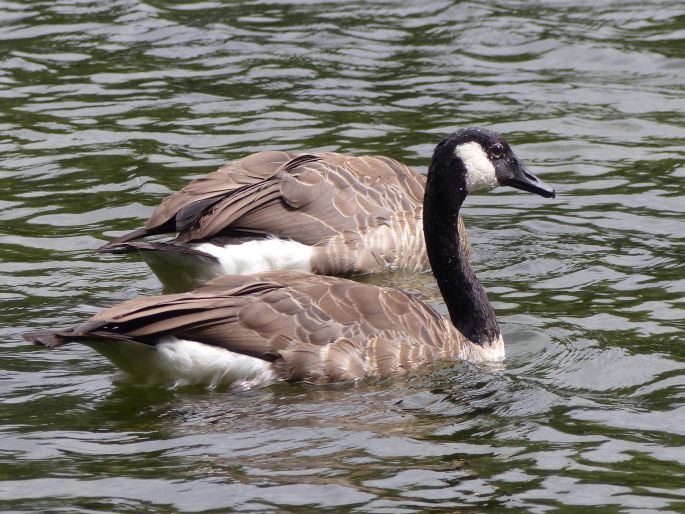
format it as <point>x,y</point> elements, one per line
<point>468,160</point>
<point>483,160</point>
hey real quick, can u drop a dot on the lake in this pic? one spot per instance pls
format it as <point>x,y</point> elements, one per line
<point>108,106</point>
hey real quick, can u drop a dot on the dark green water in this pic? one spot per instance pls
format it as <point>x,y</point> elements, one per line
<point>106,106</point>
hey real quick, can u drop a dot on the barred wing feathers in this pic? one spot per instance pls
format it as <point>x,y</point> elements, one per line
<point>311,328</point>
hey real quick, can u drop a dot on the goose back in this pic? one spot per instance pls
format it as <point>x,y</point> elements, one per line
<point>310,328</point>
<point>360,214</point>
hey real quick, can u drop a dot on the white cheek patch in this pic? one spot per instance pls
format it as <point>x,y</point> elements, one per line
<point>480,172</point>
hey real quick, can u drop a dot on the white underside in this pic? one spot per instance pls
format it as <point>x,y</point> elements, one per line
<point>260,255</point>
<point>179,271</point>
<point>180,362</point>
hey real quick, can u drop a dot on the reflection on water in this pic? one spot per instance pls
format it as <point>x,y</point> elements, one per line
<point>105,107</point>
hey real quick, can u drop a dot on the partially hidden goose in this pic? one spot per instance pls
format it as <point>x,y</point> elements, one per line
<point>325,213</point>
<point>290,325</point>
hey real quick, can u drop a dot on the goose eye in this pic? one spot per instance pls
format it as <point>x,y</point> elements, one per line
<point>497,150</point>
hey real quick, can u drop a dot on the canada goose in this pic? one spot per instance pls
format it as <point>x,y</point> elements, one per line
<point>325,213</point>
<point>295,326</point>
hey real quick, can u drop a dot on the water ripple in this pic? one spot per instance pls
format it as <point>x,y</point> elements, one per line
<point>105,107</point>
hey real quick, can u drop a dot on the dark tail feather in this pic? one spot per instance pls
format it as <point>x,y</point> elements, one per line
<point>136,234</point>
<point>48,338</point>
<point>145,246</point>
<point>117,248</point>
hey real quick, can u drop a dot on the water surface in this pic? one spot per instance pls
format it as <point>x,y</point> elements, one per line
<point>105,107</point>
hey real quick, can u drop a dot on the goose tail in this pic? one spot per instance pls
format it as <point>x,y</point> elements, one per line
<point>49,338</point>
<point>115,244</point>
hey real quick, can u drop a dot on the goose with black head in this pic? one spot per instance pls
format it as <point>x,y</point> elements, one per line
<point>326,213</point>
<point>295,326</point>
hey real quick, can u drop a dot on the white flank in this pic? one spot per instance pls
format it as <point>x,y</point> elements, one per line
<point>260,255</point>
<point>180,362</point>
<point>480,172</point>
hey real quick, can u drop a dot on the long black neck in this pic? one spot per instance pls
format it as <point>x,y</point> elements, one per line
<point>467,302</point>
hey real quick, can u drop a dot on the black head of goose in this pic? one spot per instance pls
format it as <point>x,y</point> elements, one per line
<point>325,213</point>
<point>295,326</point>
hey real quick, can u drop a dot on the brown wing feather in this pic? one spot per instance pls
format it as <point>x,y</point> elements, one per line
<point>270,190</point>
<point>312,328</point>
<point>310,198</point>
<point>245,172</point>
<point>363,213</point>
